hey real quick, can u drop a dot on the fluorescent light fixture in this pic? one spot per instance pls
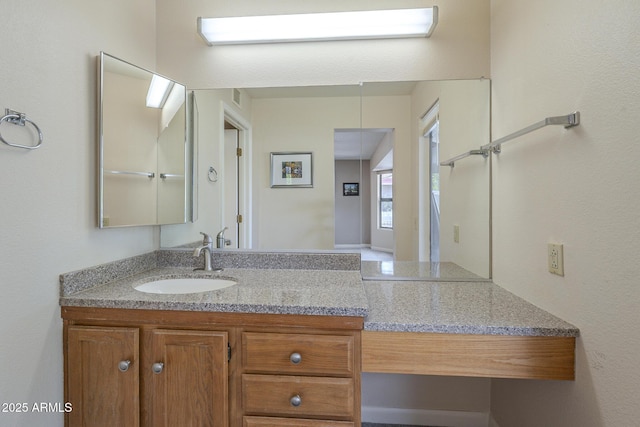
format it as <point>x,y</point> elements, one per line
<point>158,91</point>
<point>373,24</point>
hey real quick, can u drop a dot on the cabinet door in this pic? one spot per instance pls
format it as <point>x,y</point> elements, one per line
<point>102,376</point>
<point>186,378</point>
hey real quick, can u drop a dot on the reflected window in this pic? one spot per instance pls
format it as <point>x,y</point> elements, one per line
<point>434,139</point>
<point>385,200</point>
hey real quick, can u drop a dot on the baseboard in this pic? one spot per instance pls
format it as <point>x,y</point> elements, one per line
<point>380,249</point>
<point>351,246</point>
<point>425,417</point>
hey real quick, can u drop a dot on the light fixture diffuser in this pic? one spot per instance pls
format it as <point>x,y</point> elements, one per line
<point>373,24</point>
<point>158,91</point>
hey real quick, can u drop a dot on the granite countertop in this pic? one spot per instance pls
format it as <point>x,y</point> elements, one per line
<point>457,308</point>
<point>314,284</point>
<point>272,291</point>
<point>413,270</point>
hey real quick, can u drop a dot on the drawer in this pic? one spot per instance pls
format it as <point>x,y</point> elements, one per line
<point>292,422</point>
<point>298,354</point>
<point>313,397</point>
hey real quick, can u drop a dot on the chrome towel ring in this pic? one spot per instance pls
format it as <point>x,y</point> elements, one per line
<point>20,119</point>
<point>212,175</point>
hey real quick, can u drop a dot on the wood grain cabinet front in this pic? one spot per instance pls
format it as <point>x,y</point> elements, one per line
<point>298,354</point>
<point>178,378</point>
<point>309,379</point>
<point>290,422</point>
<point>154,368</point>
<point>304,397</point>
<point>186,378</point>
<point>102,376</point>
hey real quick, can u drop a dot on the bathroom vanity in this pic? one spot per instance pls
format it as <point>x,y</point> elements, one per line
<point>167,368</point>
<point>287,344</point>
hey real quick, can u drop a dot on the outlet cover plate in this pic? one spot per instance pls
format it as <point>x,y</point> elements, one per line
<point>556,258</point>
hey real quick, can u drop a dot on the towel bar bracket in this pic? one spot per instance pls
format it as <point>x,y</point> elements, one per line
<point>568,121</point>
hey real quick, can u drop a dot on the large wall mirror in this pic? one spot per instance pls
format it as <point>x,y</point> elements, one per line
<point>144,170</point>
<point>388,138</point>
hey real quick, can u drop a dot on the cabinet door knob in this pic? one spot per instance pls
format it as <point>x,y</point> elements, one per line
<point>124,365</point>
<point>296,400</point>
<point>157,367</point>
<point>295,358</point>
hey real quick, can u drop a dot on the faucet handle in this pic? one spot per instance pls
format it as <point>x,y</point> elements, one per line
<point>221,233</point>
<point>207,239</point>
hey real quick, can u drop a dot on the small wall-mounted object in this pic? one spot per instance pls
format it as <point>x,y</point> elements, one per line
<point>452,161</point>
<point>212,175</point>
<point>291,169</point>
<point>350,188</point>
<point>568,121</point>
<point>556,258</point>
<point>20,119</point>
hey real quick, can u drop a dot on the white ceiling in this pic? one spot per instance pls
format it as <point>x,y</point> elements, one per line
<point>354,144</point>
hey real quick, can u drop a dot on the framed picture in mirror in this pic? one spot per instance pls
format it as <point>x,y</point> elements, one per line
<point>350,188</point>
<point>291,169</point>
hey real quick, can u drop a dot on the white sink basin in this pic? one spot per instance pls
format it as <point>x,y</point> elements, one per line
<point>184,285</point>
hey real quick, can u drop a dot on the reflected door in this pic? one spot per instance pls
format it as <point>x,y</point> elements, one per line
<point>231,186</point>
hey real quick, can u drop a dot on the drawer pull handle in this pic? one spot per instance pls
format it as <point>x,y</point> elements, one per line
<point>295,358</point>
<point>296,400</point>
<point>157,367</point>
<point>124,365</point>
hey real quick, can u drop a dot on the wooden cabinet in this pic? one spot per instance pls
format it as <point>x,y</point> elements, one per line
<point>185,378</point>
<point>292,422</point>
<point>298,397</point>
<point>303,376</point>
<point>170,368</point>
<point>180,377</point>
<point>102,376</point>
<point>308,354</point>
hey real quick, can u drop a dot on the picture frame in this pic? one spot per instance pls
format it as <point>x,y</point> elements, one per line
<point>350,188</point>
<point>291,169</point>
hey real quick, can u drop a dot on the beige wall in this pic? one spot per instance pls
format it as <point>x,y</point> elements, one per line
<point>578,187</point>
<point>351,212</point>
<point>209,116</point>
<point>464,109</point>
<point>297,218</point>
<point>394,112</point>
<point>458,49</point>
<point>48,210</point>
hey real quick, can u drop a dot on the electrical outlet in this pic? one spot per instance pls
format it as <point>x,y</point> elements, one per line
<point>556,262</point>
<point>456,233</point>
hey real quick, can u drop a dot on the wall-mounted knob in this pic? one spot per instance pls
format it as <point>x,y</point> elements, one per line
<point>295,358</point>
<point>157,367</point>
<point>296,400</point>
<point>124,365</point>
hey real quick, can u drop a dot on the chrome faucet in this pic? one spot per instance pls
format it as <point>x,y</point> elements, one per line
<point>207,246</point>
<point>220,240</point>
